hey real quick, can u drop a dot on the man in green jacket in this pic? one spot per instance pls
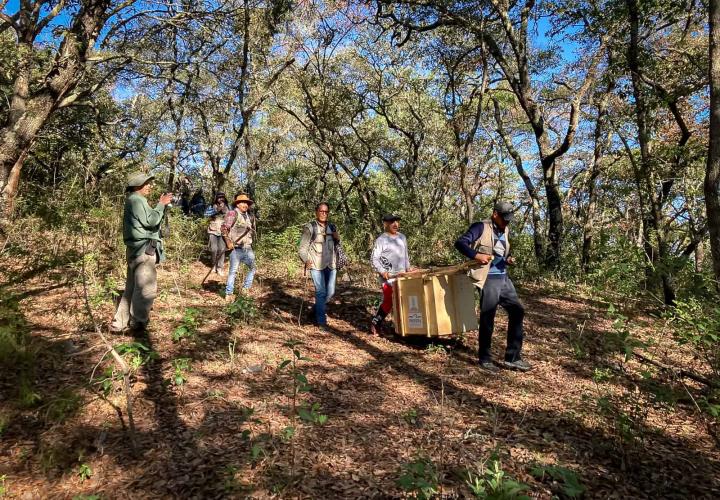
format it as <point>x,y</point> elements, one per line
<point>141,234</point>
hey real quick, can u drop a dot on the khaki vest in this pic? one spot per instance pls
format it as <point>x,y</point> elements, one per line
<point>239,228</point>
<point>485,245</point>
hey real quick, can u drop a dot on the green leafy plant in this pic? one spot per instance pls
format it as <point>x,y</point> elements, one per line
<point>84,472</point>
<point>490,481</point>
<point>63,405</point>
<point>136,354</point>
<point>565,481</point>
<point>188,325</point>
<point>242,310</point>
<point>697,324</point>
<point>621,338</point>
<point>311,413</point>
<point>436,349</point>
<point>3,486</point>
<point>181,367</point>
<point>419,478</point>
<point>411,416</point>
<point>299,384</point>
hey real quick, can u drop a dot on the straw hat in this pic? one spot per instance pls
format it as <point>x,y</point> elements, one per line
<point>242,197</point>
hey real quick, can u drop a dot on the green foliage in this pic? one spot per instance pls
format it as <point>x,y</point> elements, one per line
<point>621,338</point>
<point>136,353</point>
<point>106,381</point>
<point>84,472</point>
<point>181,367</point>
<point>411,416</point>
<point>419,478</point>
<point>86,497</point>
<point>565,481</point>
<point>188,325</point>
<point>242,310</point>
<point>436,349</point>
<point>697,324</point>
<point>63,405</point>
<point>311,414</point>
<point>490,482</point>
<point>3,486</point>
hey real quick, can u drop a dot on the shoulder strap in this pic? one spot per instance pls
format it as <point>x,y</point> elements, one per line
<point>313,233</point>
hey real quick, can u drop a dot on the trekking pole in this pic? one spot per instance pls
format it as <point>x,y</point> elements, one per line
<point>217,259</point>
<point>304,292</point>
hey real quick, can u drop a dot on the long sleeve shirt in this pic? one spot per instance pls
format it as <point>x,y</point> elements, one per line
<point>390,254</point>
<point>466,242</point>
<point>141,224</point>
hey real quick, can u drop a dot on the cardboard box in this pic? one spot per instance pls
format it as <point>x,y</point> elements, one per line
<point>434,303</point>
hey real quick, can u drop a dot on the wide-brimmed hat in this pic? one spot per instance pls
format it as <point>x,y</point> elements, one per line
<point>137,179</point>
<point>391,218</point>
<point>242,197</point>
<point>505,210</point>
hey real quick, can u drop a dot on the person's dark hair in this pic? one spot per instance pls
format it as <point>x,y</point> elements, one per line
<point>322,204</point>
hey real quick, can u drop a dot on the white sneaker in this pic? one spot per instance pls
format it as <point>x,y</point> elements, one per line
<point>220,272</point>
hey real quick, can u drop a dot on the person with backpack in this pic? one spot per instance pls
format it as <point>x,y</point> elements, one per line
<point>487,242</point>
<point>239,228</point>
<point>144,250</point>
<point>216,212</point>
<point>390,260</point>
<point>317,251</point>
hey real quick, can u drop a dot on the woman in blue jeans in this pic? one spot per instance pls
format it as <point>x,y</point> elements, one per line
<point>317,251</point>
<point>238,226</point>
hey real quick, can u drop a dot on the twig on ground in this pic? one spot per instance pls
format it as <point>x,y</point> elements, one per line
<point>124,368</point>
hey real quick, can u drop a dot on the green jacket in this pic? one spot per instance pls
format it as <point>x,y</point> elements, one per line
<point>140,225</point>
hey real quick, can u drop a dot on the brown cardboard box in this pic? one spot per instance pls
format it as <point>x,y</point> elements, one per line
<point>434,303</point>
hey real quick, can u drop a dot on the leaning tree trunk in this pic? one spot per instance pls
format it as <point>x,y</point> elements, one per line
<point>32,105</point>
<point>712,173</point>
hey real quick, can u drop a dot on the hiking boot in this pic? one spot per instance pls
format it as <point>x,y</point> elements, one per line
<point>488,366</point>
<point>117,331</point>
<point>519,365</point>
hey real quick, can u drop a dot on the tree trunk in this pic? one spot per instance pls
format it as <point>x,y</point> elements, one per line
<point>29,111</point>
<point>600,142</point>
<point>712,173</point>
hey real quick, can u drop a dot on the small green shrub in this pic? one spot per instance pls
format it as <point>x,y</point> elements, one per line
<point>564,481</point>
<point>491,482</point>
<point>242,310</point>
<point>84,472</point>
<point>419,478</point>
<point>181,367</point>
<point>136,353</point>
<point>188,325</point>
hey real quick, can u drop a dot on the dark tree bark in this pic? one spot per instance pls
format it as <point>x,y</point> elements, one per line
<point>712,173</point>
<point>32,103</point>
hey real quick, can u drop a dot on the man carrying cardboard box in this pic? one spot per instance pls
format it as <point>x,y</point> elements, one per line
<point>487,242</point>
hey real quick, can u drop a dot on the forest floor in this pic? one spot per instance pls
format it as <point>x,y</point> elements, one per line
<point>216,426</point>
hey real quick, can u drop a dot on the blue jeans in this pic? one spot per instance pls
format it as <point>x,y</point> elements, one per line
<point>237,256</point>
<point>324,282</point>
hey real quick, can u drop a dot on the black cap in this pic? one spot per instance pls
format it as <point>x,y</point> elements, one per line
<point>505,210</point>
<point>391,218</point>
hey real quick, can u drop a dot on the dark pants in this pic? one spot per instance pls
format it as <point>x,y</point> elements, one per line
<point>500,291</point>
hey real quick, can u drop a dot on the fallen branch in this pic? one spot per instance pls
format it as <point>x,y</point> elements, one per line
<point>678,372</point>
<point>124,368</point>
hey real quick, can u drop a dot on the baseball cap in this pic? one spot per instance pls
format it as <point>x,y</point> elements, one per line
<point>391,218</point>
<point>505,210</point>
